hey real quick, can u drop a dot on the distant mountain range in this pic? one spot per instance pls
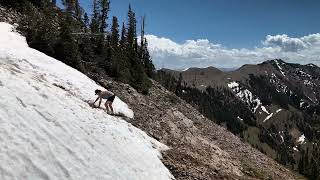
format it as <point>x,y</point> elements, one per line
<point>283,98</point>
<point>222,69</point>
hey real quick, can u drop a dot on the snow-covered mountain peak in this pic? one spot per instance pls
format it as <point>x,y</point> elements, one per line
<point>48,131</point>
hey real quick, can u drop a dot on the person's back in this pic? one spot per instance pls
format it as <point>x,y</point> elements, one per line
<point>106,94</point>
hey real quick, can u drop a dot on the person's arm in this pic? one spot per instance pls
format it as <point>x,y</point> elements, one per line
<point>96,100</point>
<point>93,104</point>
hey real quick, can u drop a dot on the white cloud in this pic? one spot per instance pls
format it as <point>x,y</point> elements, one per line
<point>285,43</point>
<point>203,53</point>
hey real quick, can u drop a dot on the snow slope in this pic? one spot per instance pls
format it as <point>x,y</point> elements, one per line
<point>48,132</point>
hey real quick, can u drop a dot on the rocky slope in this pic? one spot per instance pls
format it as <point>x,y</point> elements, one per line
<point>200,149</point>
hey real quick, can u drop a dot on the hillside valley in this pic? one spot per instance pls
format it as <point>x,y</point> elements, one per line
<point>274,104</point>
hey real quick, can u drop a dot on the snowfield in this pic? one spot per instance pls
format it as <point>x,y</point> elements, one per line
<point>48,131</point>
<point>247,96</point>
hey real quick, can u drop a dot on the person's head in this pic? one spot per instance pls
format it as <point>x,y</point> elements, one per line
<point>97,91</point>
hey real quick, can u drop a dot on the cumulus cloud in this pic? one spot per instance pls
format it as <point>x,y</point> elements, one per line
<point>285,42</point>
<point>202,53</point>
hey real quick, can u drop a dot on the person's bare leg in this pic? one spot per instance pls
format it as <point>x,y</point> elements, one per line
<point>111,108</point>
<point>107,107</point>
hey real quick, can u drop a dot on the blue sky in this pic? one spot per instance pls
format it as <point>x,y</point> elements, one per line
<point>234,23</point>
<point>230,24</point>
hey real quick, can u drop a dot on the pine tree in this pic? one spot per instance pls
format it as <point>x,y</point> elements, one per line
<point>123,39</point>
<point>104,9</point>
<point>142,33</point>
<point>94,26</point>
<point>179,87</point>
<point>69,6</point>
<point>132,33</point>
<point>301,164</point>
<point>38,26</point>
<point>78,10</point>
<point>146,59</point>
<point>67,48</point>
<point>73,7</point>
<point>115,32</point>
<point>139,79</point>
<point>86,22</point>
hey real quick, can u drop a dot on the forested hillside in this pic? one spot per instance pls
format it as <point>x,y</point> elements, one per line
<point>85,40</point>
<point>274,106</point>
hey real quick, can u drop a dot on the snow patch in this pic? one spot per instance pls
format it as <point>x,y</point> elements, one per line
<point>301,139</point>
<point>240,118</point>
<point>280,134</point>
<point>307,83</point>
<point>233,85</point>
<point>304,74</point>
<point>268,117</point>
<point>279,67</point>
<point>245,95</point>
<point>264,109</point>
<point>311,65</point>
<point>49,132</point>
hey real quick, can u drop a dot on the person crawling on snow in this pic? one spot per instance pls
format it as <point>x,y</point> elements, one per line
<point>108,95</point>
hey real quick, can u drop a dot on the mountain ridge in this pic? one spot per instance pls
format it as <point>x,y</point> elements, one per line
<point>282,99</point>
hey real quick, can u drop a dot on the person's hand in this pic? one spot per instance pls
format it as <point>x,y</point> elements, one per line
<point>92,105</point>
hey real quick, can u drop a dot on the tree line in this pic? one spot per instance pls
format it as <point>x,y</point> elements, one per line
<point>86,41</point>
<point>223,107</point>
<point>218,104</point>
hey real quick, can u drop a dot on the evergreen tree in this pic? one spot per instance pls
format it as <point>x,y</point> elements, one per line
<point>139,79</point>
<point>67,48</point>
<point>86,22</point>
<point>179,87</point>
<point>104,9</point>
<point>115,32</point>
<point>123,39</point>
<point>78,10</point>
<point>146,59</point>
<point>73,8</point>
<point>132,33</point>
<point>69,6</point>
<point>142,33</point>
<point>94,26</point>
<point>38,27</point>
<point>301,165</point>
